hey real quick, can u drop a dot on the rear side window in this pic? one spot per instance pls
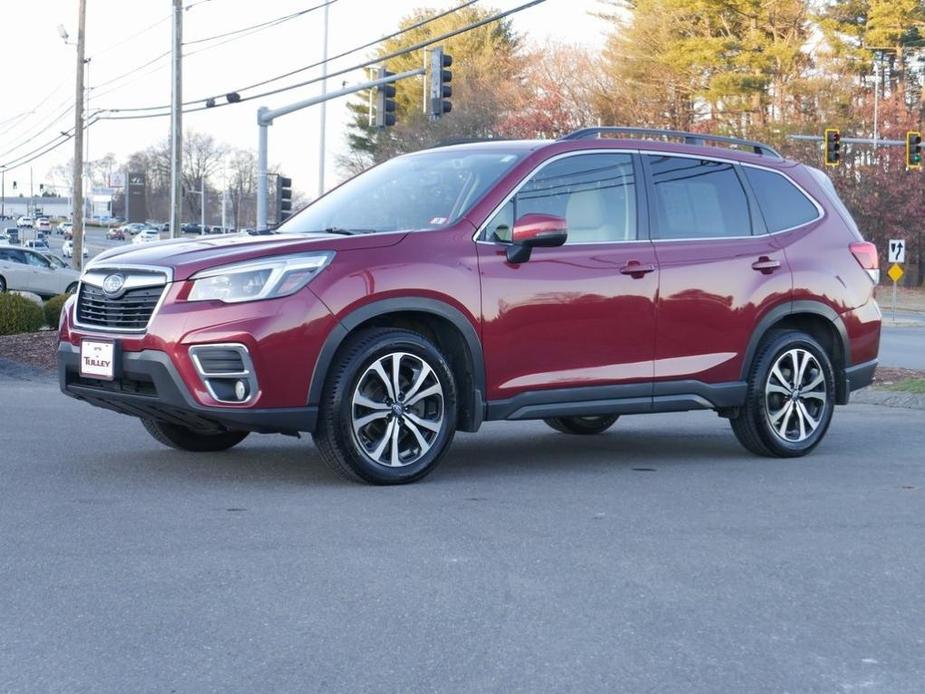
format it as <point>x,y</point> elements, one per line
<point>782,204</point>
<point>697,198</point>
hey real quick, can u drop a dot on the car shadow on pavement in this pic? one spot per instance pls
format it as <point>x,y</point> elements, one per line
<point>514,450</point>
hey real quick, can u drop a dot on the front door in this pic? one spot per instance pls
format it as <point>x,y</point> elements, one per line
<point>582,314</point>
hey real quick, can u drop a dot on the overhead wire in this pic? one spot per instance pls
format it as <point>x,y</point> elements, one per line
<point>378,59</point>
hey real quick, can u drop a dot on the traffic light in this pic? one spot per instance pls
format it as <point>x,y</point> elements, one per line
<point>283,198</point>
<point>440,78</point>
<point>385,104</point>
<point>913,150</point>
<point>832,147</point>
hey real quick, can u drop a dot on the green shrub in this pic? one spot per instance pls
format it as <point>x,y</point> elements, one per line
<point>19,315</point>
<point>53,310</point>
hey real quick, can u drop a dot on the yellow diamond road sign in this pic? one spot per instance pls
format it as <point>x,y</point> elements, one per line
<point>895,272</point>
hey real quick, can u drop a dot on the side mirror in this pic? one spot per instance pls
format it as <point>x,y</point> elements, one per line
<point>535,231</point>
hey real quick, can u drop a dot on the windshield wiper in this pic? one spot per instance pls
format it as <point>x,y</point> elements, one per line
<point>348,232</point>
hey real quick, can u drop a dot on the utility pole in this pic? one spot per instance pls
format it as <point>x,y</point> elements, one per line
<point>176,123</point>
<point>324,110</point>
<point>202,210</point>
<point>2,193</point>
<point>78,194</point>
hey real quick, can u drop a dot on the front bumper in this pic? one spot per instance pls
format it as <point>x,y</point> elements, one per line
<point>148,386</point>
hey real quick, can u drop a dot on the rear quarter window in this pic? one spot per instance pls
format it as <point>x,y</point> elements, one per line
<point>783,205</point>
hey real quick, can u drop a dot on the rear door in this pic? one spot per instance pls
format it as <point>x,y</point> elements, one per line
<point>719,268</point>
<point>15,270</point>
<point>582,314</point>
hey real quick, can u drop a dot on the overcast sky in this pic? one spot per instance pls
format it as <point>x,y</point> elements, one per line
<point>123,35</point>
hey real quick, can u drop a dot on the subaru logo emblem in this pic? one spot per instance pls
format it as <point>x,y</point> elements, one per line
<point>113,283</point>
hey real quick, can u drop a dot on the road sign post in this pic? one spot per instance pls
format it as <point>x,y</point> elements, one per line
<point>896,256</point>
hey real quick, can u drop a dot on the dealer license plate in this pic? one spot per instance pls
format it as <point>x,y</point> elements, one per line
<point>96,359</point>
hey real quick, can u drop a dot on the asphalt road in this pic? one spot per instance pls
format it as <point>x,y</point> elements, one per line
<point>656,558</point>
<point>904,345</point>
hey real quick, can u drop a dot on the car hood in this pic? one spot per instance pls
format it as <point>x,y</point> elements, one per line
<point>186,257</point>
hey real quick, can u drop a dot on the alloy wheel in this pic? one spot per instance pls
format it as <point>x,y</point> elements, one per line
<point>397,409</point>
<point>795,395</point>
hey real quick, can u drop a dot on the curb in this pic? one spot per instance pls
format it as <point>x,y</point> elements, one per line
<point>889,398</point>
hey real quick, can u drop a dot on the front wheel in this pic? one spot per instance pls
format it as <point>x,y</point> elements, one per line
<point>184,439</point>
<point>582,425</point>
<point>389,409</point>
<point>790,399</point>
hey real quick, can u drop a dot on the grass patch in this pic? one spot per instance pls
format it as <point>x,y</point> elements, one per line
<point>909,385</point>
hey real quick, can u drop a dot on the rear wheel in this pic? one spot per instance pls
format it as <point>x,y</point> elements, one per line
<point>71,288</point>
<point>185,439</point>
<point>582,425</point>
<point>389,408</point>
<point>2,284</point>
<point>791,397</point>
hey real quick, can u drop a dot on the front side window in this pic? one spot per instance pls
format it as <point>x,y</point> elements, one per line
<point>36,260</point>
<point>594,193</point>
<point>782,204</point>
<point>697,198</point>
<point>426,190</point>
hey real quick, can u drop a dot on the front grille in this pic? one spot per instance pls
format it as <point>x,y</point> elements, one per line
<point>131,311</point>
<point>220,360</point>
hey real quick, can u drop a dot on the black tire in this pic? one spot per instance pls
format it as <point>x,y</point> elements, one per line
<point>2,284</point>
<point>341,446</point>
<point>181,438</point>
<point>582,425</point>
<point>71,288</point>
<point>753,427</point>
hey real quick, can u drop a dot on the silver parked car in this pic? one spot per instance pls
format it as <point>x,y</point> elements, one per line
<point>30,271</point>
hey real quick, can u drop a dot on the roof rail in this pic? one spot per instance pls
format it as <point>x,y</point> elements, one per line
<point>688,138</point>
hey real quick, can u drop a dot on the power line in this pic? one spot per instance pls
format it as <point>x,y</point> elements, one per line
<point>262,25</point>
<point>131,37</point>
<point>25,114</point>
<point>64,137</point>
<point>378,59</point>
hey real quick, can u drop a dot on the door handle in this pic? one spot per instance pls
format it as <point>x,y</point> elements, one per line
<point>765,265</point>
<point>636,270</point>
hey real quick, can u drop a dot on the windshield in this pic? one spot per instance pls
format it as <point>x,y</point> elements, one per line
<point>427,190</point>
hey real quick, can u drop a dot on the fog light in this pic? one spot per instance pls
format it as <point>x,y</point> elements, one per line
<point>240,390</point>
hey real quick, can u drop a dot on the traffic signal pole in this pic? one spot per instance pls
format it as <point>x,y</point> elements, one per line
<point>266,116</point>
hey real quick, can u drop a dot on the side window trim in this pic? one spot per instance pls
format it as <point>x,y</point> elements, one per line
<point>759,226</point>
<point>481,237</point>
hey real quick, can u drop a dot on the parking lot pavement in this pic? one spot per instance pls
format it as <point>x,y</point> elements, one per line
<point>658,557</point>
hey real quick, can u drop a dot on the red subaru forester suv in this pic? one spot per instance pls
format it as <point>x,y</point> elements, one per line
<point>610,272</point>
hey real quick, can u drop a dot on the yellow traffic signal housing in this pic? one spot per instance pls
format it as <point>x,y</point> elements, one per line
<point>832,147</point>
<point>913,150</point>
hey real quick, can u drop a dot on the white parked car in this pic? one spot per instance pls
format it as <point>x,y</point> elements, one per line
<point>29,271</point>
<point>67,250</point>
<point>147,236</point>
<point>40,245</point>
<point>42,224</point>
<point>24,221</point>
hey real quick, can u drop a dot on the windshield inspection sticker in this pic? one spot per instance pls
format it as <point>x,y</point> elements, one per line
<point>438,220</point>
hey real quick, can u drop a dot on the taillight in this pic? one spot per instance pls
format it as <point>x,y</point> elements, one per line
<point>866,254</point>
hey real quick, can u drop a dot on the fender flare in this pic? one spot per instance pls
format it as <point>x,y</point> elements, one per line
<point>789,309</point>
<point>397,305</point>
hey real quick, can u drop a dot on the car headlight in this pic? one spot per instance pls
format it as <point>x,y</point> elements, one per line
<point>267,278</point>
